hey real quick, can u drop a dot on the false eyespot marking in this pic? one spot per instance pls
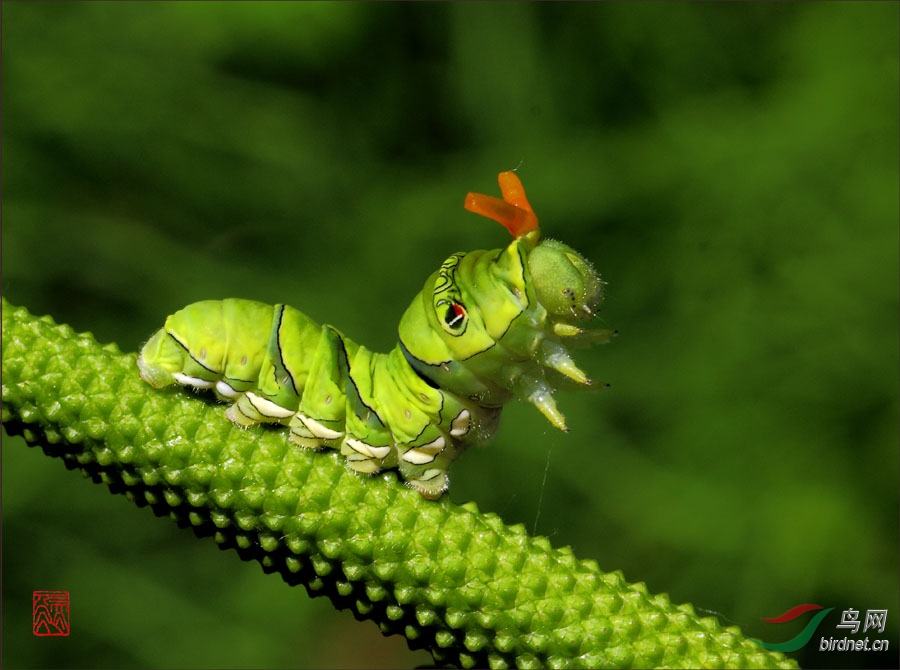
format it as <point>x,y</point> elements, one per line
<point>455,316</point>
<point>448,297</point>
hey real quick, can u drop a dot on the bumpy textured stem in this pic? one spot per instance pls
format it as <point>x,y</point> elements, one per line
<point>470,589</point>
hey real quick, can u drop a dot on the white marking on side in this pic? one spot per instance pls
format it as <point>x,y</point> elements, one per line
<point>367,449</point>
<point>301,436</point>
<point>426,453</point>
<point>318,430</point>
<point>267,407</point>
<point>196,382</point>
<point>430,474</point>
<point>226,390</point>
<point>362,465</point>
<point>460,425</point>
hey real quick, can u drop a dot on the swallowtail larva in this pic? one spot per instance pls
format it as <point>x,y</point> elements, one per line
<point>488,326</point>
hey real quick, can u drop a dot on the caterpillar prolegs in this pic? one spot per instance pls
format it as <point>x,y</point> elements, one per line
<point>488,326</point>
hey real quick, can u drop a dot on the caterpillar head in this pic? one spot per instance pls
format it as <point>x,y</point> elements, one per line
<point>565,282</point>
<point>489,324</point>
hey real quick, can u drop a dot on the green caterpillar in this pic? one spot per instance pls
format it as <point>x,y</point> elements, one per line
<point>488,326</point>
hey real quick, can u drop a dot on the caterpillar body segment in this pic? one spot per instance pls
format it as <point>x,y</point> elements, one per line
<point>328,390</point>
<point>487,326</point>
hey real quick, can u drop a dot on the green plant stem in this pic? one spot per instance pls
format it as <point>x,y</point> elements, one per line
<point>459,583</point>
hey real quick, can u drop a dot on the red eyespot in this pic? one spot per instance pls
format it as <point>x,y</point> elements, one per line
<point>455,316</point>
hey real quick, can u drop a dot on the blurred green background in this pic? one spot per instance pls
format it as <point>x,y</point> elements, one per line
<point>732,170</point>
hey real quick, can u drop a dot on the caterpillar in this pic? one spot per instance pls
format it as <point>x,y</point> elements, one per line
<point>487,327</point>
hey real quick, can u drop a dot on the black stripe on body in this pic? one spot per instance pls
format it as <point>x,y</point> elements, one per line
<point>188,352</point>
<point>409,358</point>
<point>370,410</point>
<point>279,367</point>
<point>521,300</point>
<point>421,375</point>
<point>218,373</point>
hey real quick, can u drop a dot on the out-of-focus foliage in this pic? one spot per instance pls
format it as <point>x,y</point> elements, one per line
<point>731,169</point>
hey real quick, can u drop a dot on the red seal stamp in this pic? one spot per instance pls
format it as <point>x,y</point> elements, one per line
<point>50,613</point>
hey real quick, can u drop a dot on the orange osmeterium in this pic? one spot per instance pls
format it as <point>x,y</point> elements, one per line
<point>513,212</point>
